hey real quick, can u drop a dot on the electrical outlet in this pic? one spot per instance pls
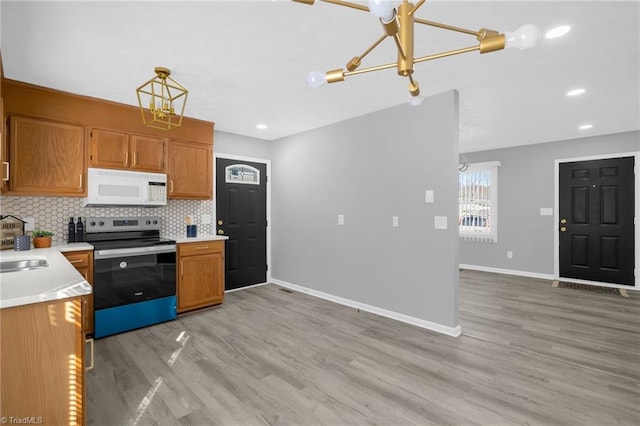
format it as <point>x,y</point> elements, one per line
<point>509,255</point>
<point>30,224</point>
<point>440,222</point>
<point>395,221</point>
<point>340,219</point>
<point>428,196</point>
<point>205,219</point>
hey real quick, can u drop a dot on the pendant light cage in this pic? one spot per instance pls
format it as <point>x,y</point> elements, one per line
<point>162,101</point>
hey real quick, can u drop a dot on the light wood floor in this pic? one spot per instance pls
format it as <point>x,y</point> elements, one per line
<point>529,354</point>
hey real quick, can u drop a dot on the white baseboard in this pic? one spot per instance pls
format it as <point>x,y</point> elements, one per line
<point>244,288</point>
<point>449,331</point>
<point>508,272</point>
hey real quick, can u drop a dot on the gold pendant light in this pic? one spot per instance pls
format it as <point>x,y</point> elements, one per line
<point>398,21</point>
<point>162,101</point>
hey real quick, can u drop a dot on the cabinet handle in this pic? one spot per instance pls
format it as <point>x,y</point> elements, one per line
<point>90,366</point>
<point>81,180</point>
<point>126,158</point>
<point>75,261</point>
<point>181,269</point>
<point>5,164</point>
<point>135,159</point>
<point>171,182</point>
<point>201,247</point>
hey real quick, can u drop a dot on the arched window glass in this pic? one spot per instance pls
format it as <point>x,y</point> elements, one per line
<point>242,173</point>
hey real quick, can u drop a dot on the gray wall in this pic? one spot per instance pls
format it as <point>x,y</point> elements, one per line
<point>526,183</point>
<point>232,144</point>
<point>371,168</point>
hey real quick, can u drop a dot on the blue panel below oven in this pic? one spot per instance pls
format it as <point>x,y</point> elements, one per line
<point>134,315</point>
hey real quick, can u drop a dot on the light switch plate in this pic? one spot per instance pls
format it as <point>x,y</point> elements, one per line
<point>395,221</point>
<point>428,196</point>
<point>205,219</point>
<point>546,211</point>
<point>440,222</point>
<point>340,219</point>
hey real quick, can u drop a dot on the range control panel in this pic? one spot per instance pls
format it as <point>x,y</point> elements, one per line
<point>115,224</point>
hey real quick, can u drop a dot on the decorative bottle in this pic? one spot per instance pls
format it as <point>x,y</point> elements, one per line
<point>72,231</point>
<point>79,230</point>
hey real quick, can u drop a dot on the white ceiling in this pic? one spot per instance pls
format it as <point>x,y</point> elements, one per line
<point>246,62</point>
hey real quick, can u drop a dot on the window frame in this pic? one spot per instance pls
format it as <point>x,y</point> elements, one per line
<point>466,232</point>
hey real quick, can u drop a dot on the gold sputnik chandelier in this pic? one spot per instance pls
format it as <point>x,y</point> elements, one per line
<point>162,101</point>
<point>398,21</point>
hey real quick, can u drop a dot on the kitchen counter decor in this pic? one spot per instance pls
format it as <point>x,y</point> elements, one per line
<point>41,238</point>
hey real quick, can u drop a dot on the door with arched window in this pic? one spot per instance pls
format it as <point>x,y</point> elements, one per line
<point>241,215</point>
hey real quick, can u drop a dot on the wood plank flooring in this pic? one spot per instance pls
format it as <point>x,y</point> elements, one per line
<point>529,354</point>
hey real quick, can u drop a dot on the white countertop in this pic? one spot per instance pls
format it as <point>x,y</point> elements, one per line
<point>57,281</point>
<point>199,238</point>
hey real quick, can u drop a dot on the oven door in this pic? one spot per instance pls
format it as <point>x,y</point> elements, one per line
<point>131,275</point>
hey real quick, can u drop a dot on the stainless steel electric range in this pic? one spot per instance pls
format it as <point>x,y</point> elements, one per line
<point>134,273</point>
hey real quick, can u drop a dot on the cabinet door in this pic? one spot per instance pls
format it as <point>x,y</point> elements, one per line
<point>190,170</point>
<point>47,158</point>
<point>147,153</point>
<point>201,279</point>
<point>83,262</point>
<point>109,149</point>
<point>4,152</point>
<point>43,365</point>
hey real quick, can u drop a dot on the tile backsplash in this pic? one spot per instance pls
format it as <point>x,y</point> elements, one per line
<point>52,213</point>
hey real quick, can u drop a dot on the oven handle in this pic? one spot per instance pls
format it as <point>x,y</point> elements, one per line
<point>134,251</point>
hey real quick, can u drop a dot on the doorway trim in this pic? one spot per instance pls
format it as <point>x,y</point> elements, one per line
<point>215,204</point>
<point>556,208</point>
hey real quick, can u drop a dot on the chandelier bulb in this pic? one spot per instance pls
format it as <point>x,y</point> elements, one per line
<point>523,38</point>
<point>415,100</point>
<point>383,9</point>
<point>316,79</point>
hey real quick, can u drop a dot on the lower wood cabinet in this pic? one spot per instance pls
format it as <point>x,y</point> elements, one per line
<point>200,275</point>
<point>42,363</point>
<point>83,262</point>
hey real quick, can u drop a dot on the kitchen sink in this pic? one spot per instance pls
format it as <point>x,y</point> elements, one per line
<point>12,265</point>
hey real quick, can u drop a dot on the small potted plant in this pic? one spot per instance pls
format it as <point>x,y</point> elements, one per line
<point>41,239</point>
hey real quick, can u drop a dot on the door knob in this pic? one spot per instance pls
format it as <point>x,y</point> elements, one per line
<point>220,232</point>
<point>220,222</point>
<point>563,229</point>
<point>563,220</point>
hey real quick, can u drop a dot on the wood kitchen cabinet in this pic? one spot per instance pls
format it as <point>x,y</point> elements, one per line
<point>189,170</point>
<point>45,158</point>
<point>42,363</point>
<point>200,275</point>
<point>83,262</point>
<point>120,150</point>
<point>4,151</point>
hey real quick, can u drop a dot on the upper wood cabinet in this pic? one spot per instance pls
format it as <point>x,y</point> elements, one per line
<point>46,158</point>
<point>189,170</point>
<point>119,150</point>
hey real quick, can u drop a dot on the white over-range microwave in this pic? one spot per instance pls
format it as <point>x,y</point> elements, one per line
<point>108,187</point>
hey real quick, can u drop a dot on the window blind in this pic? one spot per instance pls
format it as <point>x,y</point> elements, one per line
<point>478,202</point>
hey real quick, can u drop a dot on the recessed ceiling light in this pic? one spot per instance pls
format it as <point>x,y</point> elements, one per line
<point>585,126</point>
<point>557,32</point>
<point>575,92</point>
<point>261,126</point>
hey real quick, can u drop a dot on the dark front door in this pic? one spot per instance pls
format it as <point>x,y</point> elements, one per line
<point>241,195</point>
<point>596,226</point>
